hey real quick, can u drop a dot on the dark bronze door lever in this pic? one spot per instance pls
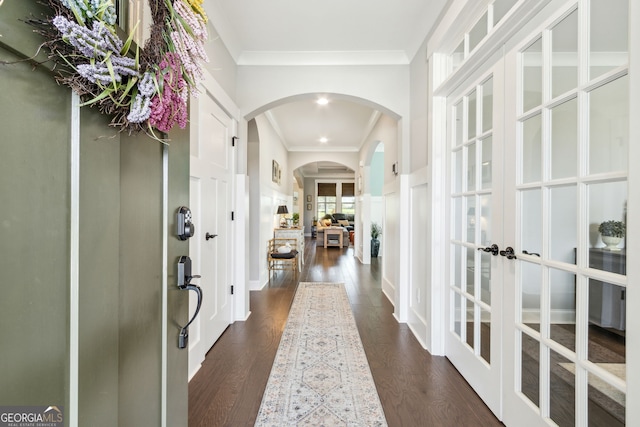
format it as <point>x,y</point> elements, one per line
<point>493,249</point>
<point>508,252</point>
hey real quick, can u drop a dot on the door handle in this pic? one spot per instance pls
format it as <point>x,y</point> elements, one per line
<point>210,236</point>
<point>508,252</point>
<point>531,253</point>
<point>493,249</point>
<point>183,337</point>
<point>184,283</point>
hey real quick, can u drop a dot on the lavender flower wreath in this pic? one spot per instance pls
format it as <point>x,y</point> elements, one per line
<point>141,90</point>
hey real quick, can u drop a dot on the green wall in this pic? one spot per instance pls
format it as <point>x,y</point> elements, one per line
<point>121,265</point>
<point>34,236</point>
<point>377,173</point>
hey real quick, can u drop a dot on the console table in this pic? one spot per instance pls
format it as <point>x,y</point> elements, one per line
<point>333,236</point>
<point>607,302</point>
<point>293,233</point>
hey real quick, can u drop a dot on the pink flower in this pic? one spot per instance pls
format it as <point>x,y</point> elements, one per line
<point>170,106</point>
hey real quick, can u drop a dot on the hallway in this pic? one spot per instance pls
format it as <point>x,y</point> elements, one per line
<point>415,388</point>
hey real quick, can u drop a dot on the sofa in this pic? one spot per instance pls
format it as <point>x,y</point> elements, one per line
<point>345,220</point>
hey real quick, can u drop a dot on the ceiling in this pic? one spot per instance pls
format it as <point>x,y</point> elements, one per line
<point>340,125</point>
<point>336,31</point>
<point>327,32</point>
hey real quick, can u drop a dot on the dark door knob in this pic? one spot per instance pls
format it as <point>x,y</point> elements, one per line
<point>508,252</point>
<point>210,236</point>
<point>493,249</point>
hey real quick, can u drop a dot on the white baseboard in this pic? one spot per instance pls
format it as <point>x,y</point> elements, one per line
<point>421,339</point>
<point>389,290</point>
<point>254,285</point>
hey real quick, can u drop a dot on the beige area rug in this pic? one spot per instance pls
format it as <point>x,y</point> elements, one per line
<point>320,376</point>
<point>617,369</point>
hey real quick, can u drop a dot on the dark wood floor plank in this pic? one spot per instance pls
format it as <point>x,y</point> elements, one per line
<point>415,388</point>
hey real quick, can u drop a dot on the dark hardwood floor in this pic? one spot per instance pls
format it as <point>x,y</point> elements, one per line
<point>416,389</point>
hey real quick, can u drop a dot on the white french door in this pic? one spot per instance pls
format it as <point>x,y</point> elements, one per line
<point>567,173</point>
<point>539,330</point>
<point>473,341</point>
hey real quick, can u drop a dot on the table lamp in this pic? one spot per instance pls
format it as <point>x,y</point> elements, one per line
<point>282,211</point>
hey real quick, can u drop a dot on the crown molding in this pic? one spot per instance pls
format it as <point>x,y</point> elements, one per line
<point>291,58</point>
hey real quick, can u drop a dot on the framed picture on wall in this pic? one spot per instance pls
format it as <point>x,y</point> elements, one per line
<point>308,198</point>
<point>308,206</point>
<point>275,171</point>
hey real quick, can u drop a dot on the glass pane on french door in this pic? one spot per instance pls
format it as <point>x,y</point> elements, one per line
<point>570,217</point>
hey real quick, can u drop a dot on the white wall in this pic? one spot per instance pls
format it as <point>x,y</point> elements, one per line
<point>384,210</point>
<point>309,190</point>
<point>298,199</point>
<point>419,100</point>
<point>420,291</point>
<point>271,195</point>
<point>420,313</point>
<point>221,65</point>
<point>390,245</point>
<point>253,168</point>
<point>272,148</point>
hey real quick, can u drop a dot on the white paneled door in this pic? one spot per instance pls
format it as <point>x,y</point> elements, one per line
<point>538,158</point>
<point>210,247</point>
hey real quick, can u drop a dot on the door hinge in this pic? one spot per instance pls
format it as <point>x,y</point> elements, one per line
<point>233,216</point>
<point>233,141</point>
<point>231,289</point>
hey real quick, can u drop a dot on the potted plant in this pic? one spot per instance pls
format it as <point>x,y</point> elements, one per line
<point>296,218</point>
<point>376,230</point>
<point>612,233</point>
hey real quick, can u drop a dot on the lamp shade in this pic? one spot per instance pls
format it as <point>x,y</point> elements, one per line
<point>282,209</point>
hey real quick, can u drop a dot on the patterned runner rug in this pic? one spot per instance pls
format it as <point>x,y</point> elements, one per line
<point>320,376</point>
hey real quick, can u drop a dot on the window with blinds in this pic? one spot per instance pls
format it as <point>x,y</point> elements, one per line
<point>328,202</point>
<point>327,199</point>
<point>327,189</point>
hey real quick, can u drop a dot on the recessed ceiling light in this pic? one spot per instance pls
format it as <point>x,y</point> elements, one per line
<point>322,101</point>
<point>324,140</point>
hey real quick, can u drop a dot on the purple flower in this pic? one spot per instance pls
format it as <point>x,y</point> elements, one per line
<point>141,107</point>
<point>100,45</point>
<point>96,73</point>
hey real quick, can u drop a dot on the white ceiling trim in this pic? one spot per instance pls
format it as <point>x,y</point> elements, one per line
<point>373,120</point>
<point>276,128</point>
<point>325,149</point>
<point>380,57</point>
<point>333,176</point>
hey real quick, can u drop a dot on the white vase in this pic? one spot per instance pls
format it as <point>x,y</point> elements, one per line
<point>611,242</point>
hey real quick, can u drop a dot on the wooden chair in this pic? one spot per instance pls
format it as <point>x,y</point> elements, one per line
<point>282,261</point>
